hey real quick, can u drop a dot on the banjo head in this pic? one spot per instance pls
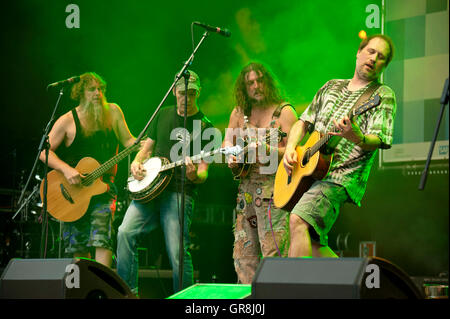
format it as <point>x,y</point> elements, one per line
<point>152,167</point>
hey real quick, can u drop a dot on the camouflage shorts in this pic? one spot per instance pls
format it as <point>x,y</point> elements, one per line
<point>94,229</point>
<point>319,207</point>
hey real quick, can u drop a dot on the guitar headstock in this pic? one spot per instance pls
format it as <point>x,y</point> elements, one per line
<point>369,104</point>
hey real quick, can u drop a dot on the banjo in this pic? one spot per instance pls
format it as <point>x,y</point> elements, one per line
<point>159,173</point>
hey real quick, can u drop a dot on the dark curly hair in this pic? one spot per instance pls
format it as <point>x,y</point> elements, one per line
<point>78,88</point>
<point>272,91</point>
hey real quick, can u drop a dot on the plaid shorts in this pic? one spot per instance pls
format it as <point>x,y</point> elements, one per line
<point>94,229</point>
<point>319,207</point>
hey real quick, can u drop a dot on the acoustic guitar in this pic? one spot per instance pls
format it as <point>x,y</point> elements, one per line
<point>312,164</point>
<point>67,202</point>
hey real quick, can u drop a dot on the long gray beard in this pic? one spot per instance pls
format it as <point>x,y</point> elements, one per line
<point>95,112</point>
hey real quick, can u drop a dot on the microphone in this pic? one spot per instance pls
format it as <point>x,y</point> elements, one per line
<point>224,32</point>
<point>69,81</point>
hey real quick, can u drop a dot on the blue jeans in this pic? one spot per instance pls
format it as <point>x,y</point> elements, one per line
<point>141,219</point>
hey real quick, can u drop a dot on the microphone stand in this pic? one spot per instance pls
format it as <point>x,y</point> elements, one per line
<point>44,145</point>
<point>138,139</point>
<point>177,77</point>
<point>186,76</point>
<point>444,101</point>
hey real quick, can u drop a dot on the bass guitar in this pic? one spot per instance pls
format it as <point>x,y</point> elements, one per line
<point>67,202</point>
<point>312,164</point>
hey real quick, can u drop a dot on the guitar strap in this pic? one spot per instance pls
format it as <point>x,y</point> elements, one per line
<point>275,115</point>
<point>367,94</point>
<point>277,112</point>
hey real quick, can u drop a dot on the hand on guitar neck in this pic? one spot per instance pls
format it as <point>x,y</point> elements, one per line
<point>348,129</point>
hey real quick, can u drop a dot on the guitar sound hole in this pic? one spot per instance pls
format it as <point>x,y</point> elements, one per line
<point>305,158</point>
<point>66,194</point>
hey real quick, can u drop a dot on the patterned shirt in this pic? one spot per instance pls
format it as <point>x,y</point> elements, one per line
<point>351,165</point>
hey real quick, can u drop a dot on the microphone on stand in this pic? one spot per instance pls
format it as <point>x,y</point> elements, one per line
<point>224,32</point>
<point>69,81</point>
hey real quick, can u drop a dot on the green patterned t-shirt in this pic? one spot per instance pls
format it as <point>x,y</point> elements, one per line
<point>351,164</point>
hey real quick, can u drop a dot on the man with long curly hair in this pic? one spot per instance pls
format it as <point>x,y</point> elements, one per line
<point>93,129</point>
<point>260,229</point>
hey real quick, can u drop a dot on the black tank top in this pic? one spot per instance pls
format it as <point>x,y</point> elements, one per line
<point>101,145</point>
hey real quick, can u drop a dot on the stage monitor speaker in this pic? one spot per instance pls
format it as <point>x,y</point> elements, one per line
<point>214,291</point>
<point>61,279</point>
<point>332,278</point>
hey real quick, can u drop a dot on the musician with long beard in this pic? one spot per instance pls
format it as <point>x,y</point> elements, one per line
<point>261,230</point>
<point>166,133</point>
<point>92,129</point>
<point>355,142</point>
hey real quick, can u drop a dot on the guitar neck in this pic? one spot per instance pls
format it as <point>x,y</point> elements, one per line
<point>193,158</point>
<point>321,142</point>
<point>355,111</point>
<point>278,134</point>
<point>105,167</point>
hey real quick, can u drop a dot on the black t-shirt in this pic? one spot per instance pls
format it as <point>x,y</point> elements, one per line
<point>167,130</point>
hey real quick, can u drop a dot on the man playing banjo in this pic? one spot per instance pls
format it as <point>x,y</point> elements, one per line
<point>165,134</point>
